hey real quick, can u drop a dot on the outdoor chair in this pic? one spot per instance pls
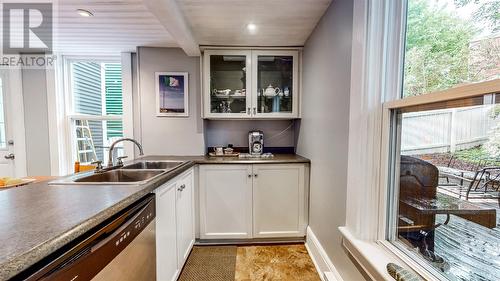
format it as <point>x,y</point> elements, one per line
<point>487,179</point>
<point>418,180</point>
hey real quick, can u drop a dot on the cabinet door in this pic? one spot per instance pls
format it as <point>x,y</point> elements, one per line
<point>185,217</point>
<point>225,201</point>
<point>275,76</point>
<point>227,84</point>
<point>166,238</point>
<point>279,200</point>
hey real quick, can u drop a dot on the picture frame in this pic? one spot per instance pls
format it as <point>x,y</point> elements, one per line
<point>172,94</point>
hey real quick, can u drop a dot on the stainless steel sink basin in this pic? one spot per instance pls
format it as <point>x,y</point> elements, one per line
<point>136,173</point>
<point>153,165</point>
<point>121,176</point>
<point>112,177</point>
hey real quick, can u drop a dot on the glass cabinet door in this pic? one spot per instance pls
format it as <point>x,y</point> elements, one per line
<point>228,83</point>
<point>276,83</point>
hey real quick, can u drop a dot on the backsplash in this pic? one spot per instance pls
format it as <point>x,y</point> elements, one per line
<point>277,133</point>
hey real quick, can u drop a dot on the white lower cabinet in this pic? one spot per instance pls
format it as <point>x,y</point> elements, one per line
<point>167,267</point>
<point>253,201</point>
<point>225,201</point>
<point>279,201</point>
<point>185,217</point>
<point>175,232</point>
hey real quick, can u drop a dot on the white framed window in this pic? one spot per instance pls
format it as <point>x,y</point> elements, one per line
<point>94,107</point>
<point>385,82</point>
<point>442,203</point>
<point>444,192</point>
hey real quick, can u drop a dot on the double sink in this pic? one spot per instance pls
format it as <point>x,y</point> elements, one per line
<point>136,173</point>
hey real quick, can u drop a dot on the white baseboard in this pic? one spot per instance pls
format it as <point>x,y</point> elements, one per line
<point>322,262</point>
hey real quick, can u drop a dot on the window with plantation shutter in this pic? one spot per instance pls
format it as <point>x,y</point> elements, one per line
<point>96,107</point>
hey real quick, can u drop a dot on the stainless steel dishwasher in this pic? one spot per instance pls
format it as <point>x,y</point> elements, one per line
<point>122,249</point>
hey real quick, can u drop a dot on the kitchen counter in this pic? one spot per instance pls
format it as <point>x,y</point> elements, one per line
<point>277,159</point>
<point>38,219</point>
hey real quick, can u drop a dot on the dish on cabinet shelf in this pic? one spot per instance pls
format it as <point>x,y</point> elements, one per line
<point>228,93</point>
<point>229,96</point>
<point>271,91</point>
<point>225,92</point>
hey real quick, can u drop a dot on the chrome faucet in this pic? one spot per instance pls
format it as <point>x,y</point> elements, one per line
<point>110,154</point>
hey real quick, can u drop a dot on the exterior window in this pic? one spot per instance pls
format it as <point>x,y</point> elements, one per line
<point>448,173</point>
<point>95,92</point>
<point>449,43</point>
<point>445,156</point>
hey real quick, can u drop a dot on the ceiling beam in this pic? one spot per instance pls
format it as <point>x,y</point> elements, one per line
<point>171,17</point>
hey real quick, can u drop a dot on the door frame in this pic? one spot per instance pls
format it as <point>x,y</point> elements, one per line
<point>13,98</point>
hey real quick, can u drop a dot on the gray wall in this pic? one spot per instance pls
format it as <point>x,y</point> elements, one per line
<point>169,135</point>
<point>277,133</point>
<point>324,128</point>
<point>36,122</point>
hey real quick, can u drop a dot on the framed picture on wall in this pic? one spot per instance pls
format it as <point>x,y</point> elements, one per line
<point>172,94</point>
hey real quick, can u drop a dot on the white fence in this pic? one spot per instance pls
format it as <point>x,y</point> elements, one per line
<point>446,130</point>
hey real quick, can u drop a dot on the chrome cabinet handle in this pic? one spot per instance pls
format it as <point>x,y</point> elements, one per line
<point>181,188</point>
<point>249,176</point>
<point>248,111</point>
<point>254,111</point>
<point>11,156</point>
<point>255,175</point>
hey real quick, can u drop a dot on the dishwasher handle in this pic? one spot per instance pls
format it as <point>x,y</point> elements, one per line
<point>101,247</point>
<point>120,231</point>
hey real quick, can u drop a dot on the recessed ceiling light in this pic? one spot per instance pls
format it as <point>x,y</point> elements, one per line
<point>251,27</point>
<point>84,13</point>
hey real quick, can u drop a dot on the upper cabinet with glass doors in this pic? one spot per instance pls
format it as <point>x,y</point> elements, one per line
<point>251,84</point>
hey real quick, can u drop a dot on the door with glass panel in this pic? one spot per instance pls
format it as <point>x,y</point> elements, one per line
<point>10,127</point>
<point>275,76</point>
<point>227,86</point>
<point>6,155</point>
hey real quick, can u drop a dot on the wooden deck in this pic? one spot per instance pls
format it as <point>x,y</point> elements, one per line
<point>472,252</point>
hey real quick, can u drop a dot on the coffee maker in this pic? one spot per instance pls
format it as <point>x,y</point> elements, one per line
<point>255,142</point>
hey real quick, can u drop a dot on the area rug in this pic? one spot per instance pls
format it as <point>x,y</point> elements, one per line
<point>210,263</point>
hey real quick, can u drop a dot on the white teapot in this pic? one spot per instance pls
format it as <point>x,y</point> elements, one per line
<point>271,91</point>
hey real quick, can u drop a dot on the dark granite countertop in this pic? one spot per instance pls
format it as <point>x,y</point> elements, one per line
<point>38,219</point>
<point>277,159</point>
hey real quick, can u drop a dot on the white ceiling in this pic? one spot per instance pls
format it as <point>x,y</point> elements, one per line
<point>122,25</point>
<point>279,22</point>
<point>117,26</point>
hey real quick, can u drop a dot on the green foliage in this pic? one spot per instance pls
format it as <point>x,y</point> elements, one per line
<point>437,48</point>
<point>488,12</point>
<point>472,155</point>
<point>495,111</point>
<point>492,146</point>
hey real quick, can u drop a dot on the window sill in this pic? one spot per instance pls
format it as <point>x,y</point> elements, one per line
<point>373,256</point>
